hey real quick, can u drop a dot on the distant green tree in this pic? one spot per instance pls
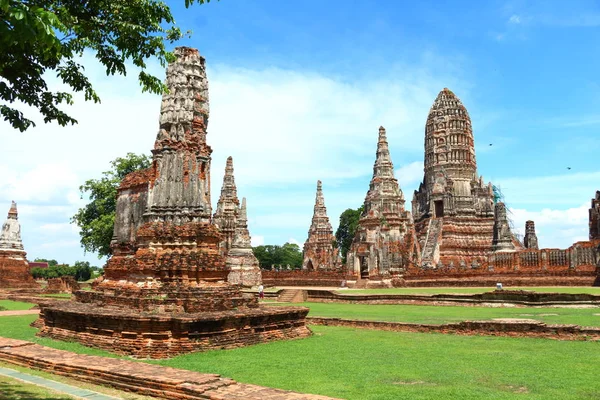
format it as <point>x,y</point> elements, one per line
<point>82,270</point>
<point>51,263</point>
<point>39,38</point>
<point>269,255</point>
<point>96,220</point>
<point>346,229</point>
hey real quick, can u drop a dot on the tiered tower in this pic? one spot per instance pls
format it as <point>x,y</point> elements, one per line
<point>384,243</point>
<point>530,241</point>
<point>319,252</point>
<point>241,261</point>
<point>595,217</point>
<point>14,268</point>
<point>227,208</point>
<point>164,290</point>
<point>453,208</point>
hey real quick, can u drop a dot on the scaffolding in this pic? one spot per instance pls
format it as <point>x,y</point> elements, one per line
<point>499,197</point>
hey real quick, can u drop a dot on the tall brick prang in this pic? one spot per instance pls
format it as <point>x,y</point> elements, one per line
<point>530,241</point>
<point>595,217</point>
<point>385,242</point>
<point>319,250</point>
<point>165,290</point>
<point>14,268</point>
<point>241,261</point>
<point>227,208</point>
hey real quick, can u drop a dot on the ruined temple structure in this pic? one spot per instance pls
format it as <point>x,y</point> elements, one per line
<point>453,209</point>
<point>14,268</point>
<point>595,217</point>
<point>385,243</point>
<point>227,208</point>
<point>530,241</point>
<point>319,251</point>
<point>241,261</point>
<point>164,290</point>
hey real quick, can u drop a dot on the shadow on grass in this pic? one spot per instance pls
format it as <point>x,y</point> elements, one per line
<point>18,391</point>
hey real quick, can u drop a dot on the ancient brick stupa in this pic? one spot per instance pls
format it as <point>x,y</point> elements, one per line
<point>227,208</point>
<point>319,252</point>
<point>14,268</point>
<point>384,244</point>
<point>453,208</point>
<point>164,290</point>
<point>241,261</point>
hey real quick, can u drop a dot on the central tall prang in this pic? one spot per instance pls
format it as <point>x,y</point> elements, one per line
<point>165,288</point>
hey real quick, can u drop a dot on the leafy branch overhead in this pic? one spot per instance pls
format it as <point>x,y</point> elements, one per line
<point>38,36</point>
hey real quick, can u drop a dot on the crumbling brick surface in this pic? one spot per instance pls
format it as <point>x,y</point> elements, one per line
<point>14,268</point>
<point>64,284</point>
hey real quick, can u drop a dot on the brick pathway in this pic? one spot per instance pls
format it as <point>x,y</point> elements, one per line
<point>18,312</point>
<point>137,377</point>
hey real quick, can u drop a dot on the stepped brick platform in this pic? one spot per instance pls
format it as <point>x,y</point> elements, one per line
<point>164,290</point>
<point>497,327</point>
<point>161,335</point>
<point>140,378</point>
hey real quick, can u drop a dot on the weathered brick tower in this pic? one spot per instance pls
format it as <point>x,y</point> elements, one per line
<point>595,217</point>
<point>453,208</point>
<point>164,290</point>
<point>385,242</point>
<point>319,253</point>
<point>244,268</point>
<point>227,208</point>
<point>14,268</point>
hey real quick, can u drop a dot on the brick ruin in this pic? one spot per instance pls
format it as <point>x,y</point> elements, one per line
<point>385,243</point>
<point>242,263</point>
<point>595,217</point>
<point>164,290</point>
<point>232,221</point>
<point>319,253</point>
<point>14,268</point>
<point>227,208</point>
<point>530,241</point>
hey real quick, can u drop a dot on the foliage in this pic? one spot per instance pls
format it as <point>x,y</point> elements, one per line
<point>51,263</point>
<point>81,271</point>
<point>347,228</point>
<point>96,220</point>
<point>39,36</point>
<point>269,255</point>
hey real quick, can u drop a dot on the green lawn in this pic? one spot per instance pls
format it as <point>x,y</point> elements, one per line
<point>470,290</point>
<point>11,389</point>
<point>445,314</point>
<point>366,364</point>
<point>10,305</point>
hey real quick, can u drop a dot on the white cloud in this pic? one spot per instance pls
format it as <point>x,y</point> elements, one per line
<point>554,228</point>
<point>294,241</point>
<point>257,240</point>
<point>514,19</point>
<point>410,175</point>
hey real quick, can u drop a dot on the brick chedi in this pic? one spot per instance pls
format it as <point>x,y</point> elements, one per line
<point>227,208</point>
<point>385,242</point>
<point>319,252</point>
<point>14,268</point>
<point>453,208</point>
<point>242,263</point>
<point>530,241</point>
<point>595,217</point>
<point>164,290</point>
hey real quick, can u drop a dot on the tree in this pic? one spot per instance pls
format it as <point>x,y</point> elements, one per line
<point>96,220</point>
<point>269,255</point>
<point>51,263</point>
<point>38,36</point>
<point>347,229</point>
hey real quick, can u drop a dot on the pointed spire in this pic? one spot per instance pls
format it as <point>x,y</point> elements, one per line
<point>241,239</point>
<point>227,207</point>
<point>318,249</point>
<point>243,216</point>
<point>383,166</point>
<point>12,212</point>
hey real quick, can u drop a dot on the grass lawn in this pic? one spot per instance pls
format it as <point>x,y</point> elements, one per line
<point>10,305</point>
<point>471,290</point>
<point>445,314</point>
<point>58,295</point>
<point>11,389</point>
<point>363,364</point>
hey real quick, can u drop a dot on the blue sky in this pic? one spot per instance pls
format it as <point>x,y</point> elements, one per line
<point>299,89</point>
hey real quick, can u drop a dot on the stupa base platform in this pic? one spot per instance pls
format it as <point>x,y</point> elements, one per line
<point>164,335</point>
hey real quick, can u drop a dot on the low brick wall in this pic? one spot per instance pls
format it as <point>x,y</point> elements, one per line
<point>140,378</point>
<point>305,278</point>
<point>500,296</point>
<point>504,327</point>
